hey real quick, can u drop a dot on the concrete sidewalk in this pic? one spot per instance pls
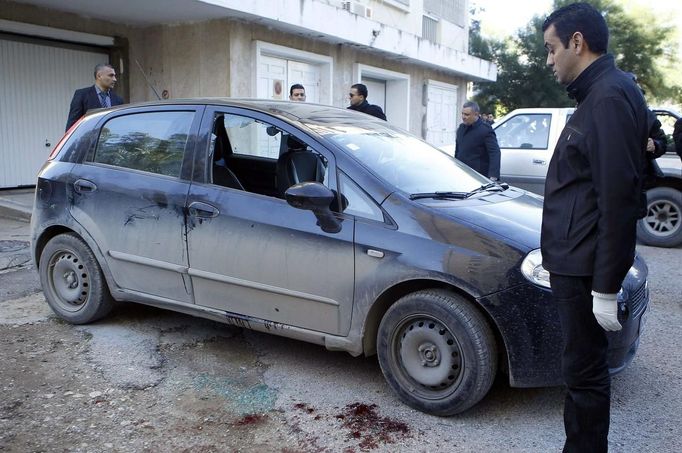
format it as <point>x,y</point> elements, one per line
<point>17,204</point>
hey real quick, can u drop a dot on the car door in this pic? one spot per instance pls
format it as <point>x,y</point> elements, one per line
<point>129,195</point>
<point>525,149</point>
<point>252,253</point>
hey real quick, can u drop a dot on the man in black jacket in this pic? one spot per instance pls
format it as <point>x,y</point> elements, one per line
<point>476,143</point>
<point>99,95</point>
<point>592,202</point>
<point>358,101</point>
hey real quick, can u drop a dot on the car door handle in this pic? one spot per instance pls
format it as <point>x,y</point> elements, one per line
<point>203,210</point>
<point>375,253</point>
<point>539,161</point>
<point>84,186</point>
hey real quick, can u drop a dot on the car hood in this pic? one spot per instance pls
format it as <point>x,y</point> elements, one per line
<point>513,214</point>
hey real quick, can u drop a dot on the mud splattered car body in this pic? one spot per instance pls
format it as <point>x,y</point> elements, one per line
<point>314,223</point>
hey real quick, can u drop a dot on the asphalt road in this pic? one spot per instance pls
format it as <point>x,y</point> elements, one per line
<point>150,380</point>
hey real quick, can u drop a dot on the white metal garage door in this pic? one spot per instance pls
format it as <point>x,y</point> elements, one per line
<point>37,82</point>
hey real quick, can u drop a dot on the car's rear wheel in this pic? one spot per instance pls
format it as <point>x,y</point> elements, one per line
<point>437,352</point>
<point>662,226</point>
<point>72,280</point>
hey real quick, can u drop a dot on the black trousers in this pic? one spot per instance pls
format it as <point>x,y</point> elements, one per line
<point>584,366</point>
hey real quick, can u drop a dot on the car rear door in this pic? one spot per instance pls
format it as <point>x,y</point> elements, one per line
<point>526,149</point>
<point>252,253</point>
<point>130,193</point>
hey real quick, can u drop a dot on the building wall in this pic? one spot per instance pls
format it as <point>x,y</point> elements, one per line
<point>216,58</point>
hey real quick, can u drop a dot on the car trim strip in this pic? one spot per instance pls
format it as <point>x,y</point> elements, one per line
<point>261,286</point>
<point>148,261</point>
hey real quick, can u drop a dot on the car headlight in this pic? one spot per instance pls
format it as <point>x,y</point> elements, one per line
<point>532,269</point>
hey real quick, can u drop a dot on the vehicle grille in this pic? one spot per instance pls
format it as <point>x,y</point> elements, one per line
<point>638,301</point>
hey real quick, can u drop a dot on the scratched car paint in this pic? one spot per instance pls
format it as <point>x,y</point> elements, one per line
<point>315,223</point>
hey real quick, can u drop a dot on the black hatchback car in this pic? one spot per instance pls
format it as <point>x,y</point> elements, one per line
<point>314,223</point>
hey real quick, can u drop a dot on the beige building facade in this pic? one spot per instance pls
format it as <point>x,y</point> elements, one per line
<point>413,61</point>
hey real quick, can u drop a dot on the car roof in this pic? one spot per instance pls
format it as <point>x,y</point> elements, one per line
<point>672,112</point>
<point>304,112</point>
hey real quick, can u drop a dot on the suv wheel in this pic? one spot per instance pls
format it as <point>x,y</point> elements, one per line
<point>437,352</point>
<point>72,280</point>
<point>662,226</point>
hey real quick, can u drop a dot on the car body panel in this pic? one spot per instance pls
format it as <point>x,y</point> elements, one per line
<point>139,225</point>
<point>251,259</point>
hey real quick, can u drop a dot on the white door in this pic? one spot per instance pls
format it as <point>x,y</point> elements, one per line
<point>526,149</point>
<point>307,75</point>
<point>276,75</point>
<point>272,78</point>
<point>441,115</point>
<point>36,86</point>
<point>376,92</point>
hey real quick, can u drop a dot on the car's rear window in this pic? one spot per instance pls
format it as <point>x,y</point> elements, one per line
<point>151,141</point>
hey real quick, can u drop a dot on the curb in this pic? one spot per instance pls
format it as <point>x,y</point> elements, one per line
<point>14,211</point>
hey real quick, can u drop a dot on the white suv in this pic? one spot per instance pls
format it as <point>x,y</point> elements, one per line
<point>527,138</point>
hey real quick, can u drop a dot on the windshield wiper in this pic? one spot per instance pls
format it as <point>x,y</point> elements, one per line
<point>499,187</point>
<point>460,195</point>
<point>439,195</point>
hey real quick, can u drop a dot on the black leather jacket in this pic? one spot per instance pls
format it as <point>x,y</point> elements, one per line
<point>369,109</point>
<point>593,191</point>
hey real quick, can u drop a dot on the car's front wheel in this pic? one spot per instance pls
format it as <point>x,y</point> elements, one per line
<point>662,226</point>
<point>72,280</point>
<point>437,352</point>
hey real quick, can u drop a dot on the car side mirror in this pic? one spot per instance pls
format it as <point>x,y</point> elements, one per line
<point>317,198</point>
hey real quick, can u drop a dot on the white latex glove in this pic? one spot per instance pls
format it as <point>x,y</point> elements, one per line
<point>605,309</point>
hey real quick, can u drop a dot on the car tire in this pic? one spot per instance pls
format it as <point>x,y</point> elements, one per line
<point>437,352</point>
<point>662,226</point>
<point>72,280</point>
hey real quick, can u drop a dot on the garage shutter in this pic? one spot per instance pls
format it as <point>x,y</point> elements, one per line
<point>37,81</point>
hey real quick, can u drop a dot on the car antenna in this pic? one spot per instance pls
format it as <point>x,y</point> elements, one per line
<point>147,80</point>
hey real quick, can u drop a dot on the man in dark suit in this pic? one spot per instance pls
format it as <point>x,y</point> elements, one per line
<point>592,202</point>
<point>358,102</point>
<point>476,143</point>
<point>100,95</point>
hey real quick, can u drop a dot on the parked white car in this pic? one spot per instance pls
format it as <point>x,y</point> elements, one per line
<point>527,138</point>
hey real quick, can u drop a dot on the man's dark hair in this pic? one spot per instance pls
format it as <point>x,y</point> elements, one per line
<point>362,89</point>
<point>581,17</point>
<point>296,86</point>
<point>100,66</point>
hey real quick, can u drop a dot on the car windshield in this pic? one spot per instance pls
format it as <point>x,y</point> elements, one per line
<point>403,160</point>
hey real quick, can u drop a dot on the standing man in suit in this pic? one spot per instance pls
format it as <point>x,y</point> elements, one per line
<point>100,95</point>
<point>589,222</point>
<point>476,143</point>
<point>358,102</point>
